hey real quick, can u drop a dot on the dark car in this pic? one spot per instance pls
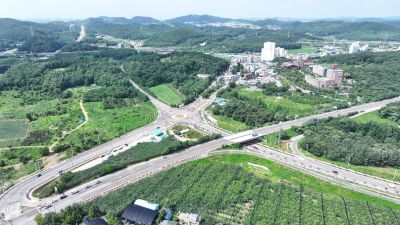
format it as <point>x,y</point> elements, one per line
<point>89,186</point>
<point>63,196</point>
<point>39,175</point>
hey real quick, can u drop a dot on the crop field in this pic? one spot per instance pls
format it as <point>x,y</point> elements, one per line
<point>226,190</point>
<point>167,94</point>
<point>12,129</point>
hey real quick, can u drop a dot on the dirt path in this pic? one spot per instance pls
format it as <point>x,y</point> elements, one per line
<point>66,133</point>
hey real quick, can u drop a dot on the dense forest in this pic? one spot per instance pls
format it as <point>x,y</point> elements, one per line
<point>178,68</point>
<point>48,79</point>
<point>376,75</point>
<point>344,140</point>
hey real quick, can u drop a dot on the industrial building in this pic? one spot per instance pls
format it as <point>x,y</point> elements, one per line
<point>141,212</point>
<point>325,78</point>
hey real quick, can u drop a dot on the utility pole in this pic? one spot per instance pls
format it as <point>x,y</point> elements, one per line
<point>280,132</point>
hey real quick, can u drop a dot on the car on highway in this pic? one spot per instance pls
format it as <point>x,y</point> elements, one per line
<point>75,192</point>
<point>48,206</point>
<point>98,182</point>
<point>39,175</point>
<point>63,196</point>
<point>88,186</point>
<point>255,135</point>
<point>335,172</point>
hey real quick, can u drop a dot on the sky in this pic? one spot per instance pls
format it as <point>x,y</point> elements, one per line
<point>166,9</point>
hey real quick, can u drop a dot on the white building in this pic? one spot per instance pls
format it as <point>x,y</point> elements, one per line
<point>354,47</point>
<point>146,204</point>
<point>280,52</point>
<point>268,52</point>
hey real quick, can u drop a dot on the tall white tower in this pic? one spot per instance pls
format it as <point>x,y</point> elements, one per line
<point>268,52</point>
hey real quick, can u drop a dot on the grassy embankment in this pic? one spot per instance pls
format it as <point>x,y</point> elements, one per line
<point>167,94</point>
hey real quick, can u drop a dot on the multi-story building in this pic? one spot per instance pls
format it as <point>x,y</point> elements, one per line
<point>268,52</point>
<point>325,78</point>
<point>280,52</point>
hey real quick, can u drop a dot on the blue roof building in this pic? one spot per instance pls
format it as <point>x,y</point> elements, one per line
<point>220,101</point>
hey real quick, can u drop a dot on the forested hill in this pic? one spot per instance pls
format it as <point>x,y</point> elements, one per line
<point>178,68</point>
<point>376,75</point>
<point>36,37</point>
<point>36,80</point>
<point>366,144</point>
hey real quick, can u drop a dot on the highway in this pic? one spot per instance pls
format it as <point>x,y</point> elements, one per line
<point>20,195</point>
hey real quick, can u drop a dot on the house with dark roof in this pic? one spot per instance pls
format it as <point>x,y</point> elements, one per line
<point>138,215</point>
<point>97,221</point>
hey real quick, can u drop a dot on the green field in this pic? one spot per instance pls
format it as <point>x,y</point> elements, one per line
<point>228,190</point>
<point>191,134</point>
<point>274,103</point>
<point>305,49</point>
<point>106,124</point>
<point>230,124</point>
<point>167,94</point>
<point>272,140</point>
<point>374,117</point>
<point>13,129</point>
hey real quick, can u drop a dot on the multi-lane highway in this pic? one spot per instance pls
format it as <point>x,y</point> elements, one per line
<point>20,195</point>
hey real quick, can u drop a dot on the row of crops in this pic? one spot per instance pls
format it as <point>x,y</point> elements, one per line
<point>227,194</point>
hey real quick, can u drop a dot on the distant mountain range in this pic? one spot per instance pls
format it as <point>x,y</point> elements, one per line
<point>205,19</point>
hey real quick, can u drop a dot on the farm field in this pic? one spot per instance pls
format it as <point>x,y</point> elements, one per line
<point>239,189</point>
<point>167,94</point>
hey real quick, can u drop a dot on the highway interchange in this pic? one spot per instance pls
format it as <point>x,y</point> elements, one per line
<point>19,206</point>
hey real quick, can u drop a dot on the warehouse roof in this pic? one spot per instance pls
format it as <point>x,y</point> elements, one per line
<point>139,215</point>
